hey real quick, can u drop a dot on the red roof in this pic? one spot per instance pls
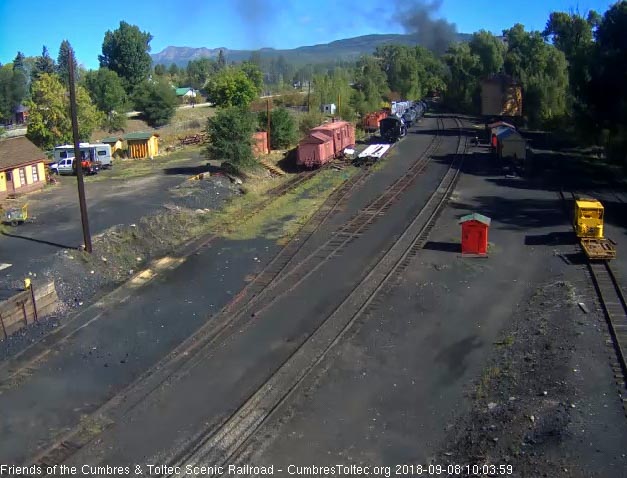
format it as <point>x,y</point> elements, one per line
<point>332,125</point>
<point>319,135</point>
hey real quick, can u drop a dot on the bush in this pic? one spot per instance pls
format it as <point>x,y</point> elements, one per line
<point>308,121</point>
<point>282,128</point>
<point>229,137</point>
<point>157,102</point>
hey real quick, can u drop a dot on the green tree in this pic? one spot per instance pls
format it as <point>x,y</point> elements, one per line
<point>6,92</point>
<point>543,71</point>
<point>254,74</point>
<point>199,71</point>
<point>221,60</point>
<point>401,67</point>
<point>173,70</point>
<point>490,50</point>
<point>157,101</point>
<point>63,62</point>
<point>49,121</point>
<point>230,87</point>
<point>229,137</point>
<point>370,84</point>
<point>127,52</point>
<point>18,63</point>
<point>283,132</point>
<point>160,70</point>
<point>43,64</point>
<point>573,34</point>
<point>106,90</point>
<point>13,90</point>
<point>607,94</point>
<point>463,82</point>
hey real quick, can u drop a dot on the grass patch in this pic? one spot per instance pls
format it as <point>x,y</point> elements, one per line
<point>122,251</point>
<point>284,216</point>
<point>489,375</point>
<point>506,342</point>
<point>134,168</point>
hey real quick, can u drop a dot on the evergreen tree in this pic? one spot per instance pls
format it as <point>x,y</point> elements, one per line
<point>127,52</point>
<point>43,64</point>
<point>18,63</point>
<point>63,62</point>
<point>221,60</point>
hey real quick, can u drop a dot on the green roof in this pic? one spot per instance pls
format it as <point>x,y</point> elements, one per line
<point>476,217</point>
<point>110,139</point>
<point>138,136</point>
<point>182,91</point>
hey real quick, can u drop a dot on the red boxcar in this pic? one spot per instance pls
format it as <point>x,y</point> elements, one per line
<point>325,143</point>
<point>371,120</point>
<point>315,150</point>
<point>342,132</point>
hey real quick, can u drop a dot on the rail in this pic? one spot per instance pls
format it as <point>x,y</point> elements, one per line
<point>224,443</point>
<point>256,294</point>
<point>614,305</point>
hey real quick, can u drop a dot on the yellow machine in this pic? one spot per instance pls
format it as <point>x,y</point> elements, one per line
<point>588,224</point>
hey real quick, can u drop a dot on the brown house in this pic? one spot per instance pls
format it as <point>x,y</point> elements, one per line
<point>22,167</point>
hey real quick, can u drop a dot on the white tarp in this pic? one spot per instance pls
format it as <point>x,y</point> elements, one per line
<point>374,151</point>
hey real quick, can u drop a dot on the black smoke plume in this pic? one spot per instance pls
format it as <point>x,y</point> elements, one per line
<point>418,18</point>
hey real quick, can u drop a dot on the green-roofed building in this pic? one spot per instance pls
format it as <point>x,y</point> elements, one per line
<point>115,142</point>
<point>142,145</point>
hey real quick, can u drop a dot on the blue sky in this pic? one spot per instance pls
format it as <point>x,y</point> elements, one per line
<point>26,25</point>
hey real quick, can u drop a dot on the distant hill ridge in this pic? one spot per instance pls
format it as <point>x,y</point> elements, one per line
<point>346,49</point>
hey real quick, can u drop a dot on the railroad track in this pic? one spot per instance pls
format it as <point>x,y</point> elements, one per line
<point>237,308</point>
<point>223,443</point>
<point>614,306</point>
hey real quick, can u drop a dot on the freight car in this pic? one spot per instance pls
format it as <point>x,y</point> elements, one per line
<point>324,143</point>
<point>370,122</point>
<point>392,128</point>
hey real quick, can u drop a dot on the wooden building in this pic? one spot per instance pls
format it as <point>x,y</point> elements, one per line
<point>22,167</point>
<point>142,145</point>
<point>501,96</point>
<point>117,144</point>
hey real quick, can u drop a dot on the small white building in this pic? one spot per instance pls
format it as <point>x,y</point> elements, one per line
<point>328,109</point>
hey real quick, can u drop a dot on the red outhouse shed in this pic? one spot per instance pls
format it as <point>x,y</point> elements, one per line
<point>475,234</point>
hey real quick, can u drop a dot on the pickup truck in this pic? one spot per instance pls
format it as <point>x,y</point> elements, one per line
<point>66,166</point>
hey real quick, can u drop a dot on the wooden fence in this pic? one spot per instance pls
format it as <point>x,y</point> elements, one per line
<point>26,307</point>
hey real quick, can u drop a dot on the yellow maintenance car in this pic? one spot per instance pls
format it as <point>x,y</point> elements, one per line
<point>588,223</point>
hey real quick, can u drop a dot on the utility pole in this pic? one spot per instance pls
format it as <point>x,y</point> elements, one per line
<point>339,105</point>
<point>77,157</point>
<point>268,115</point>
<point>309,97</point>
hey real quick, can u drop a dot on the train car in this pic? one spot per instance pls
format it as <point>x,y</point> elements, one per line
<point>341,132</point>
<point>324,143</point>
<point>392,128</point>
<point>409,117</point>
<point>588,225</point>
<point>370,122</point>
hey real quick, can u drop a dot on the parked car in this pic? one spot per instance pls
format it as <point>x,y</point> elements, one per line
<point>66,166</point>
<point>97,152</point>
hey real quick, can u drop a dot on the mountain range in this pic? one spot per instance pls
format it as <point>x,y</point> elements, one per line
<point>346,49</point>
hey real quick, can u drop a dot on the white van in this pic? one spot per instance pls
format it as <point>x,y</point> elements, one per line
<point>99,152</point>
